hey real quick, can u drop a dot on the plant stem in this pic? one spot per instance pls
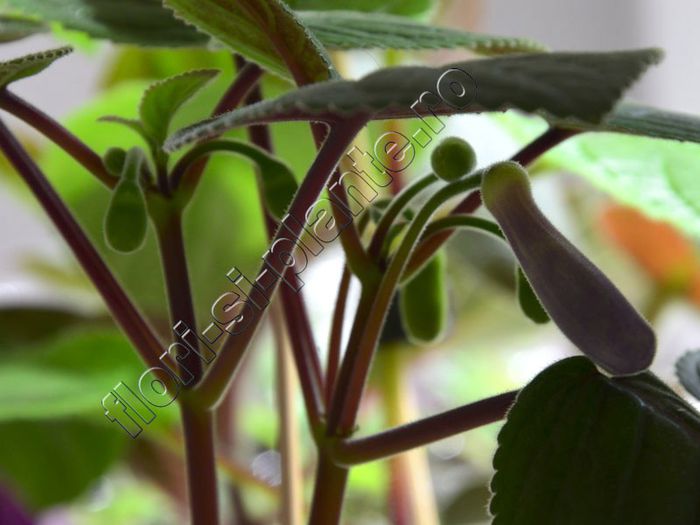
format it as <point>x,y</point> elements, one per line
<point>177,280</point>
<point>292,480</point>
<point>329,491</point>
<point>336,336</point>
<point>71,144</point>
<point>198,425</point>
<point>356,365</point>
<point>220,374</point>
<point>124,311</point>
<point>423,432</point>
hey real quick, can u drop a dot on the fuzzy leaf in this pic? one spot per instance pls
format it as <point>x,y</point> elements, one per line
<point>162,100</point>
<point>581,448</point>
<point>29,65</point>
<point>584,86</point>
<point>264,31</point>
<point>355,30</point>
<point>403,7</point>
<point>635,119</point>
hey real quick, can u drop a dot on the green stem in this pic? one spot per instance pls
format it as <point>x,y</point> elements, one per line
<point>71,144</point>
<point>124,311</point>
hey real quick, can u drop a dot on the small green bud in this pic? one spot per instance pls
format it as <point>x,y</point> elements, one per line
<point>452,159</point>
<point>114,159</point>
<point>126,221</point>
<point>579,298</point>
<point>423,302</point>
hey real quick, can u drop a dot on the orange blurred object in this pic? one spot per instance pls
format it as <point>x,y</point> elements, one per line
<point>668,257</point>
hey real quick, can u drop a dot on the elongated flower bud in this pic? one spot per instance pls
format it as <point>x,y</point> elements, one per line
<point>423,302</point>
<point>578,297</point>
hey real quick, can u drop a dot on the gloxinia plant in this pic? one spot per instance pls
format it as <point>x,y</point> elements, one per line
<point>595,438</point>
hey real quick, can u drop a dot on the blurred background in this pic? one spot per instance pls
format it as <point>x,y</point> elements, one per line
<point>49,311</point>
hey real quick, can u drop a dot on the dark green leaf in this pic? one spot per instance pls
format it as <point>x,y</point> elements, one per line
<point>264,31</point>
<point>143,22</point>
<point>29,65</point>
<point>355,30</point>
<point>584,86</point>
<point>17,27</point>
<point>24,324</point>
<point>579,298</point>
<point>581,448</point>
<point>688,372</point>
<point>528,301</point>
<point>54,461</point>
<point>162,100</point>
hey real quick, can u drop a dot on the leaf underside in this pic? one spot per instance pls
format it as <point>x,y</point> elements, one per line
<point>581,448</point>
<point>581,86</point>
<point>688,372</point>
<point>28,65</point>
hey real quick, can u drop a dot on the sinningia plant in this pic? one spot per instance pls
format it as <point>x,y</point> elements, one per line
<point>592,439</point>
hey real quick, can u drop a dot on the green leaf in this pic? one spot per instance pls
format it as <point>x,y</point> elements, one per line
<point>54,461</point>
<point>162,100</point>
<point>133,124</point>
<point>264,31</point>
<point>581,448</point>
<point>65,377</point>
<point>580,299</point>
<point>354,30</point>
<point>688,372</point>
<point>584,86</point>
<point>29,65</point>
<point>143,22</point>
<point>16,27</point>
<point>528,301</point>
<point>278,182</point>
<point>20,325</point>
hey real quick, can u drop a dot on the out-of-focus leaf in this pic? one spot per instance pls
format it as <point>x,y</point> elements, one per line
<point>64,377</point>
<point>356,30</point>
<point>143,22</point>
<point>688,372</point>
<point>584,86</point>
<point>397,7</point>
<point>17,27</point>
<point>29,65</point>
<point>581,448</point>
<point>162,100</point>
<point>264,31</point>
<point>54,461</point>
<point>657,177</point>
<point>20,325</point>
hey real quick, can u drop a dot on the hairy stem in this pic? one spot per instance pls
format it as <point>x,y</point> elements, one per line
<point>71,144</point>
<point>423,432</point>
<point>336,336</point>
<point>124,311</point>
